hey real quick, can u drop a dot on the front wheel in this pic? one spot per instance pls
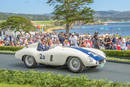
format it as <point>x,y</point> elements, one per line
<point>75,65</point>
<point>30,62</point>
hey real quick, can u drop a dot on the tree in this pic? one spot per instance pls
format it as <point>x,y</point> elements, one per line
<point>71,11</point>
<point>19,23</point>
<point>3,25</point>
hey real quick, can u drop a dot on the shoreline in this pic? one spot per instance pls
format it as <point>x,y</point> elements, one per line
<point>118,22</point>
<point>55,29</point>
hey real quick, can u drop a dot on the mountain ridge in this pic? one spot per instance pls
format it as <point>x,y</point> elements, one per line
<point>111,15</point>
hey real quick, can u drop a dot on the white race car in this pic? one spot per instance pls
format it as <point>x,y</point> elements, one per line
<point>75,58</point>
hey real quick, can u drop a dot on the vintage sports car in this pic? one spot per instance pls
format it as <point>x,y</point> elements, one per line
<point>76,59</point>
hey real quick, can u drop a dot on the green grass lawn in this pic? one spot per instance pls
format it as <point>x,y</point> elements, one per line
<point>118,59</point>
<point>43,22</point>
<point>5,51</point>
<point>2,21</point>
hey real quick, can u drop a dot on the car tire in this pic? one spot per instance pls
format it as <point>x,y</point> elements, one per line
<point>75,65</point>
<point>30,62</point>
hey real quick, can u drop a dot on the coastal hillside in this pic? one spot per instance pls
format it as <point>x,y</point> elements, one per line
<point>99,15</point>
<point>38,17</point>
<point>113,15</point>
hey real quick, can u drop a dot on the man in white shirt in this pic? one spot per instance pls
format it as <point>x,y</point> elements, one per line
<point>74,40</point>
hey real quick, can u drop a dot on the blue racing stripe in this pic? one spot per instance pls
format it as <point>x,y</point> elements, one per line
<point>91,54</point>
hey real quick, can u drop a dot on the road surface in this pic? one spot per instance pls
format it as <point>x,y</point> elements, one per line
<point>111,71</point>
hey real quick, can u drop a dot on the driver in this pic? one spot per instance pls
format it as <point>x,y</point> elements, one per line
<point>43,46</point>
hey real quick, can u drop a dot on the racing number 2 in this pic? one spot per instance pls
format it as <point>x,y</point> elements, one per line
<point>42,56</point>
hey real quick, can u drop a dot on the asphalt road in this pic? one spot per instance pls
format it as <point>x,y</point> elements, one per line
<point>111,71</point>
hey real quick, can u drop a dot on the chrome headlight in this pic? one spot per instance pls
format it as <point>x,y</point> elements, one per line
<point>90,59</point>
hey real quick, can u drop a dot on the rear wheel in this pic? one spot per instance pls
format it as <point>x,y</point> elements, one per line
<point>75,65</point>
<point>29,62</point>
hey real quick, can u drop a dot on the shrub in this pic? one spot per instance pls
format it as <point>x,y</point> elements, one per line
<point>52,80</point>
<point>117,53</point>
<point>9,48</point>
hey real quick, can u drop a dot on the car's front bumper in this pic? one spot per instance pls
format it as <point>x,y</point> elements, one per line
<point>100,62</point>
<point>96,63</point>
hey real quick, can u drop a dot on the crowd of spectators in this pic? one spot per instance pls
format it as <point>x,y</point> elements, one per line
<point>105,41</point>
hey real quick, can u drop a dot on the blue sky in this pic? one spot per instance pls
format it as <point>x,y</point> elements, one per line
<point>41,7</point>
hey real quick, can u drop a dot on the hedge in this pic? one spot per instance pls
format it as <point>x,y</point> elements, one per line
<point>117,53</point>
<point>10,48</point>
<point>40,79</point>
<point>114,53</point>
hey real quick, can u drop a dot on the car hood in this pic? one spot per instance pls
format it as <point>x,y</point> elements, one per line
<point>92,54</point>
<point>96,51</point>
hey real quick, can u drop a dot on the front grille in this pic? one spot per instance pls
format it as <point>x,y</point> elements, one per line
<point>101,61</point>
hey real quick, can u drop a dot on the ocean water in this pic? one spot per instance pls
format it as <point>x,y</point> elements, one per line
<point>122,29</point>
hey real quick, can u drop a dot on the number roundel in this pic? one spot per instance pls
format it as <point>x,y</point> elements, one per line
<point>42,56</point>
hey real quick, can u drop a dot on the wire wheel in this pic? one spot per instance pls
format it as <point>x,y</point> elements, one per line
<point>75,65</point>
<point>30,62</point>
